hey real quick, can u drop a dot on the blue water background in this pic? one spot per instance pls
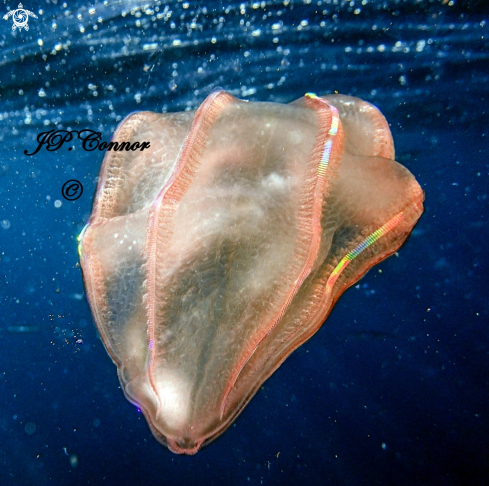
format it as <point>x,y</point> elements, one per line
<point>394,388</point>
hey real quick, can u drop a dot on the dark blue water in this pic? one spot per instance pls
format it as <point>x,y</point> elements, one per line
<point>394,389</point>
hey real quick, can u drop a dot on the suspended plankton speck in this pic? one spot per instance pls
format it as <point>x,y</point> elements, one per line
<point>74,460</point>
<point>30,428</point>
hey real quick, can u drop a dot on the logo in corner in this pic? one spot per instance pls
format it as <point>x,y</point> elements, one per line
<point>20,17</point>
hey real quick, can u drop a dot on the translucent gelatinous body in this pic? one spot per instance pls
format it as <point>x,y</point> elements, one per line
<point>214,254</point>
